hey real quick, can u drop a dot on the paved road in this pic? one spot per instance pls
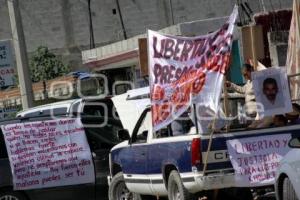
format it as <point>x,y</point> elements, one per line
<point>267,196</point>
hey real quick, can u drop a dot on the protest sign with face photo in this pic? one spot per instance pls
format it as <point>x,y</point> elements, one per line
<point>271,91</point>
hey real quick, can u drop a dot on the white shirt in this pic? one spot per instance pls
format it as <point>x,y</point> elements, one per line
<point>247,89</point>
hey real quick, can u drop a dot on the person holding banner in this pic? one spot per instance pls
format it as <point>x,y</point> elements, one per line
<point>247,89</point>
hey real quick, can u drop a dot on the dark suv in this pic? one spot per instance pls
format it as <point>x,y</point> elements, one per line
<point>100,138</point>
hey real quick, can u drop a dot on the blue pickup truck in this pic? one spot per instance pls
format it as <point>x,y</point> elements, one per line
<point>160,164</point>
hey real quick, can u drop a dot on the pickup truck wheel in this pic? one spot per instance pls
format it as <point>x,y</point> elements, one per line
<point>12,195</point>
<point>118,190</point>
<point>176,190</point>
<point>288,192</point>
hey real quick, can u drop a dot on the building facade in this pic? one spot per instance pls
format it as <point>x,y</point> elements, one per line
<point>63,25</point>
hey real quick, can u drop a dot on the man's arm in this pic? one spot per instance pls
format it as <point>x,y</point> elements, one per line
<point>239,89</point>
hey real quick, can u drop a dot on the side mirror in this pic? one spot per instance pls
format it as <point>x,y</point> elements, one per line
<point>294,143</point>
<point>123,134</point>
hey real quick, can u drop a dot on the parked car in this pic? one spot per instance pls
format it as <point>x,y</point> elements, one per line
<point>92,112</point>
<point>287,185</point>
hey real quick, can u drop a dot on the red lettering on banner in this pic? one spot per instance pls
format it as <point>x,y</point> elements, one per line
<point>285,143</point>
<point>27,183</point>
<point>183,50</point>
<point>169,74</point>
<point>181,67</point>
<point>261,145</point>
<point>187,47</point>
<point>51,178</point>
<point>158,54</point>
<point>177,49</point>
<point>166,72</point>
<point>157,72</point>
<point>158,93</point>
<point>256,159</point>
<point>198,50</point>
<point>168,52</point>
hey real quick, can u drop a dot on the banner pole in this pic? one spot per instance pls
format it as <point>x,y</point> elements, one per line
<point>196,118</point>
<point>225,103</point>
<point>209,145</point>
<point>253,47</point>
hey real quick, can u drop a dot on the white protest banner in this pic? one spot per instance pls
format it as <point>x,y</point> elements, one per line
<point>187,69</point>
<point>272,91</point>
<point>48,153</point>
<point>255,159</point>
<point>7,70</point>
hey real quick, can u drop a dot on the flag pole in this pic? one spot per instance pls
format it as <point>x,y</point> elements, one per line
<point>254,56</point>
<point>226,103</point>
<point>209,144</point>
<point>196,118</point>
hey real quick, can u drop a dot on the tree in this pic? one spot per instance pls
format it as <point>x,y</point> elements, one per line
<point>44,66</point>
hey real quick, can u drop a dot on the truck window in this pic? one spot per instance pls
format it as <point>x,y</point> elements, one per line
<point>104,136</point>
<point>95,110</point>
<point>145,126</point>
<point>178,127</point>
<point>100,108</point>
<point>163,132</point>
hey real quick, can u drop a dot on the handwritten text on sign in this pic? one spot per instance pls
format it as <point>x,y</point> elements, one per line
<point>255,159</point>
<point>48,153</point>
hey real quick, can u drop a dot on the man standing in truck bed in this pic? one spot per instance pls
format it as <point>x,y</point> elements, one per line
<point>247,89</point>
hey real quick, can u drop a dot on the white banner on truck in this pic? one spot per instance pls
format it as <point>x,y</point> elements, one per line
<point>255,159</point>
<point>187,69</point>
<point>48,154</point>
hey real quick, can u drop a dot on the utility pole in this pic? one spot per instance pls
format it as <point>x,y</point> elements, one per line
<point>92,40</point>
<point>121,20</point>
<point>21,54</point>
<point>171,10</point>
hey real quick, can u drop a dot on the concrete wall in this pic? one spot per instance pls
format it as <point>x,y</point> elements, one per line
<point>63,26</point>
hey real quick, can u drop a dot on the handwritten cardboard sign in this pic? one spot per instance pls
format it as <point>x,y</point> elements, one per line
<point>255,159</point>
<point>48,153</point>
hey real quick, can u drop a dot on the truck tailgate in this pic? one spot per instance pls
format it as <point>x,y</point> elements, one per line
<point>218,157</point>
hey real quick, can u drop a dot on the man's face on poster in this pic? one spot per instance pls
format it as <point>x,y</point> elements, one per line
<point>270,89</point>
